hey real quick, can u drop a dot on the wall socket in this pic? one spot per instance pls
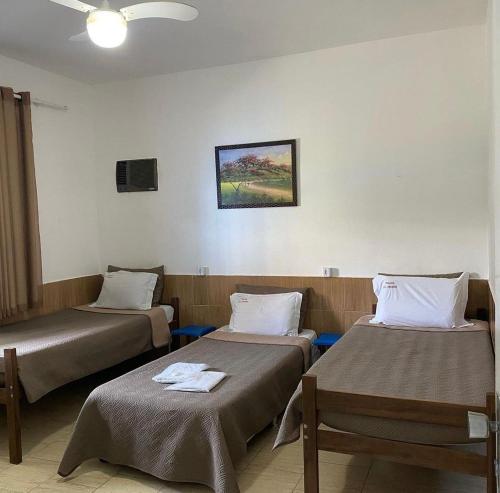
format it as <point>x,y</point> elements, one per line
<point>203,270</point>
<point>330,272</point>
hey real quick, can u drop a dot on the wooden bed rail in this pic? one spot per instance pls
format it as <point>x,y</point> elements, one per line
<point>429,412</point>
<point>432,456</point>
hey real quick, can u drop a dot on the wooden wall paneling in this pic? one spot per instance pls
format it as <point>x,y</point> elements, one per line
<point>59,295</point>
<point>327,293</point>
<point>216,315</point>
<point>478,297</point>
<point>350,317</point>
<point>213,290</point>
<point>70,292</point>
<point>180,286</point>
<point>324,321</point>
<point>335,303</point>
<point>359,294</point>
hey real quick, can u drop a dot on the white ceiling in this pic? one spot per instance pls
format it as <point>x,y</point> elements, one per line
<point>226,31</point>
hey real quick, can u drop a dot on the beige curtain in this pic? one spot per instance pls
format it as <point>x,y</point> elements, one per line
<point>20,259</point>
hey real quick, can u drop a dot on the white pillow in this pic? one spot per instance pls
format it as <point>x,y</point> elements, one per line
<point>266,314</point>
<point>421,301</point>
<point>127,290</point>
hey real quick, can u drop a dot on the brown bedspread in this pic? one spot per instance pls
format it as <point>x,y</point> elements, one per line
<point>62,347</point>
<point>446,366</point>
<point>160,330</point>
<point>181,436</point>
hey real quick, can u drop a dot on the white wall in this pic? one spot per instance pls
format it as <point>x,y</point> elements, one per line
<point>65,170</point>
<point>493,27</point>
<point>393,161</point>
<point>491,39</point>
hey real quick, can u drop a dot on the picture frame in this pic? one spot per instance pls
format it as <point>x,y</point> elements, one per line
<point>258,174</point>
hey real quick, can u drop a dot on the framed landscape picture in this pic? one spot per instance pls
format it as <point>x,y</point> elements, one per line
<point>262,174</point>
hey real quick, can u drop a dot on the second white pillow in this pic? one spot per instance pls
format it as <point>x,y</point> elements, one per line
<point>266,314</point>
<point>421,301</point>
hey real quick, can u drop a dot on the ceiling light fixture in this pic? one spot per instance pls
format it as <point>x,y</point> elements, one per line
<point>107,28</point>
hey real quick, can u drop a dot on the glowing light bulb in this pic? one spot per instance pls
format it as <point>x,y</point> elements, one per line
<point>107,28</point>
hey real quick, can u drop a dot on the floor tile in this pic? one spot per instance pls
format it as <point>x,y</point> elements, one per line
<point>61,487</point>
<point>257,483</point>
<point>122,484</point>
<point>330,489</point>
<point>283,458</point>
<point>92,473</point>
<point>30,470</point>
<point>49,451</point>
<point>16,485</point>
<point>344,459</point>
<point>270,471</point>
<point>413,479</point>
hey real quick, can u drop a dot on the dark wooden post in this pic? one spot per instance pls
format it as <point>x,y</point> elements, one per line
<point>491,444</point>
<point>12,397</point>
<point>176,321</point>
<point>311,472</point>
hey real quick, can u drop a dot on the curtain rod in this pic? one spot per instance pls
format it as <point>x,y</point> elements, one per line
<point>46,104</point>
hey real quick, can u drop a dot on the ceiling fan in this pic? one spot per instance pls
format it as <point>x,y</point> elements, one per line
<point>107,28</point>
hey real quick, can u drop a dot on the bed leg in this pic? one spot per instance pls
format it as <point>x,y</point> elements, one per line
<point>311,472</point>
<point>491,444</point>
<point>12,397</point>
<point>174,302</point>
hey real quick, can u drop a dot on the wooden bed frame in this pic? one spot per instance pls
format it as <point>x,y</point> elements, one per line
<point>11,394</point>
<point>315,400</point>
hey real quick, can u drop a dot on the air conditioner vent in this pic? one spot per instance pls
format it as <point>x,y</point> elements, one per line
<point>138,175</point>
<point>121,173</point>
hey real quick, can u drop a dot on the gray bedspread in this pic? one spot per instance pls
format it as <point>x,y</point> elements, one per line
<point>181,436</point>
<point>441,366</point>
<point>62,347</point>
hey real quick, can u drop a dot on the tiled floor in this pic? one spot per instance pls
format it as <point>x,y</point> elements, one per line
<point>47,427</point>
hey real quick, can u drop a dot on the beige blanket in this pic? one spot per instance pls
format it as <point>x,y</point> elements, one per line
<point>301,342</point>
<point>440,366</point>
<point>183,436</point>
<point>160,330</point>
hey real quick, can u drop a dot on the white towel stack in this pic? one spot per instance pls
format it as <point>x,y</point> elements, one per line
<point>178,372</point>
<point>189,377</point>
<point>203,381</point>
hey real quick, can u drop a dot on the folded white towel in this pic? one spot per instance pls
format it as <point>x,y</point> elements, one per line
<point>203,381</point>
<point>179,372</point>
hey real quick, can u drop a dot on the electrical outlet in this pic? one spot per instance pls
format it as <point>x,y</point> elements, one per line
<point>203,270</point>
<point>330,272</point>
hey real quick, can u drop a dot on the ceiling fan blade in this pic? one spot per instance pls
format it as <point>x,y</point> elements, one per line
<point>80,37</point>
<point>167,10</point>
<point>76,4</point>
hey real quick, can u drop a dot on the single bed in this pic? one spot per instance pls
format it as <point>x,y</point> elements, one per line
<point>191,437</point>
<point>44,353</point>
<point>399,393</point>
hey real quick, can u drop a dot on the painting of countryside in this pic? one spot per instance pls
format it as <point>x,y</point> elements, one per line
<point>256,175</point>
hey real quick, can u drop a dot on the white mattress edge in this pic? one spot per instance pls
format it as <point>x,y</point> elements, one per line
<point>169,312</point>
